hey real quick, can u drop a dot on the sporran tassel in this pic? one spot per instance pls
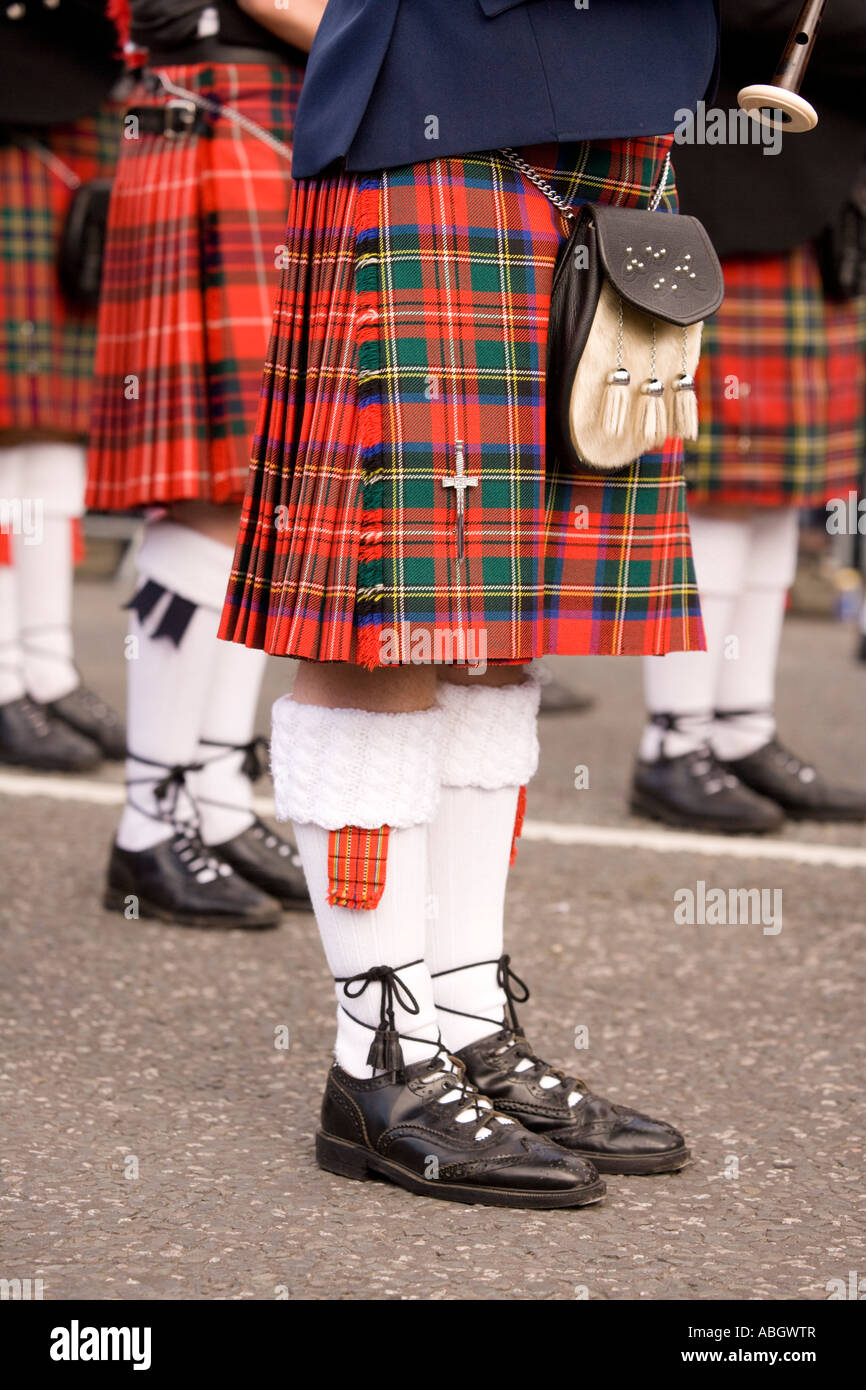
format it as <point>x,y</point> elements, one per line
<point>614,412</point>
<point>615,401</point>
<point>653,417</point>
<point>653,423</point>
<point>685,421</point>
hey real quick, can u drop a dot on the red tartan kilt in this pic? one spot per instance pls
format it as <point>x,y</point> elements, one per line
<point>46,344</point>
<point>196,237</point>
<point>782,388</point>
<point>409,338</point>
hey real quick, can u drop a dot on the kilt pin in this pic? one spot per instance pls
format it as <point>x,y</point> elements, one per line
<point>401,506</point>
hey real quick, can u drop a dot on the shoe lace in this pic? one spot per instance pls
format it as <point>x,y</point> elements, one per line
<point>35,716</point>
<point>197,859</point>
<point>526,1060</point>
<point>705,767</point>
<point>272,841</point>
<point>472,1106</point>
<point>516,991</point>
<point>90,703</point>
<point>791,763</point>
<point>386,1053</point>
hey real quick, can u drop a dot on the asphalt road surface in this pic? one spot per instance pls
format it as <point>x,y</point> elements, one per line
<point>158,1145</point>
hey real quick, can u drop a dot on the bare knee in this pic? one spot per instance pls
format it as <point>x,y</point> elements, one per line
<point>387,690</point>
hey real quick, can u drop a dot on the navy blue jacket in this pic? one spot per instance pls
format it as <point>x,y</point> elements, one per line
<point>398,81</point>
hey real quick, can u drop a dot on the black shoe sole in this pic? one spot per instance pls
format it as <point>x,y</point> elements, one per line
<point>654,810</point>
<point>350,1160</point>
<point>115,900</point>
<point>49,766</point>
<point>108,754</point>
<point>638,1166</point>
<point>826,817</point>
<point>296,904</point>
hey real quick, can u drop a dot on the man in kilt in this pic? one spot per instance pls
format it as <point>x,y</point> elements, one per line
<point>409,537</point>
<point>195,239</point>
<point>58,132</point>
<point>783,399</point>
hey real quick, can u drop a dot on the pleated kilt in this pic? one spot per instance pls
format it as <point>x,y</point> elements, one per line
<point>411,331</point>
<point>195,241</point>
<point>46,344</point>
<point>782,388</point>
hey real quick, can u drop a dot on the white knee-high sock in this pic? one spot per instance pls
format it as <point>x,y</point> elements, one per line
<point>168,685</point>
<point>684,683</point>
<point>53,475</point>
<point>11,655</point>
<point>746,684</point>
<point>335,768</point>
<point>490,751</point>
<point>223,790</point>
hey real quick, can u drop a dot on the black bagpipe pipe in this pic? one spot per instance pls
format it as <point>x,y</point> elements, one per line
<point>778,104</point>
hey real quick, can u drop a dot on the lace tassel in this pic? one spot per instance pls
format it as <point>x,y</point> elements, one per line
<point>385,1053</point>
<point>685,411</point>
<point>653,423</point>
<point>614,411</point>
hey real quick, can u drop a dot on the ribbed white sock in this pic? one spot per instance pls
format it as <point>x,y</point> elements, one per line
<point>168,686</point>
<point>223,791</point>
<point>343,767</point>
<point>748,681</point>
<point>391,934</point>
<point>684,683</point>
<point>54,475</point>
<point>490,750</point>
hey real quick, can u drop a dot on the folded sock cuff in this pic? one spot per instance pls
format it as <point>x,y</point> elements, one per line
<point>490,736</point>
<point>350,767</point>
<point>186,563</point>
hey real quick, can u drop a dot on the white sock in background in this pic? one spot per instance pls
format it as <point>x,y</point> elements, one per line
<point>341,767</point>
<point>168,686</point>
<point>11,660</point>
<point>748,682</point>
<point>54,475</point>
<point>229,717</point>
<point>684,683</point>
<point>11,656</point>
<point>490,750</point>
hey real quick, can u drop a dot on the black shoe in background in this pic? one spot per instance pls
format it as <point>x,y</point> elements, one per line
<point>83,711</point>
<point>31,737</point>
<point>694,791</point>
<point>775,772</point>
<point>180,880</point>
<point>264,858</point>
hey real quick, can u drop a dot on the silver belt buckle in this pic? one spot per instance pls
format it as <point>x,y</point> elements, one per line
<point>186,114</point>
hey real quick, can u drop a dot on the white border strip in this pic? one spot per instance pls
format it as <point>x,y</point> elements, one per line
<point>97,793</point>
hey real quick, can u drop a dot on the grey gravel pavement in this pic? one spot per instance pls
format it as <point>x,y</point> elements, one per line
<point>158,1145</point>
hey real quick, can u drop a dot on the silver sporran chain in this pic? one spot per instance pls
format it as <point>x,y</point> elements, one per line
<point>534,177</point>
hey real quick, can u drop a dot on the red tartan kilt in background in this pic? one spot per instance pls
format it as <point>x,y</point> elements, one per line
<point>412,318</point>
<point>46,344</point>
<point>782,388</point>
<point>196,235</point>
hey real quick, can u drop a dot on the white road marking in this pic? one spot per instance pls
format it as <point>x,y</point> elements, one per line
<point>664,841</point>
<point>657,841</point>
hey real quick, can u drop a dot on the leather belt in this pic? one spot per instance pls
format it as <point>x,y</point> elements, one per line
<point>173,120</point>
<point>213,51</point>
